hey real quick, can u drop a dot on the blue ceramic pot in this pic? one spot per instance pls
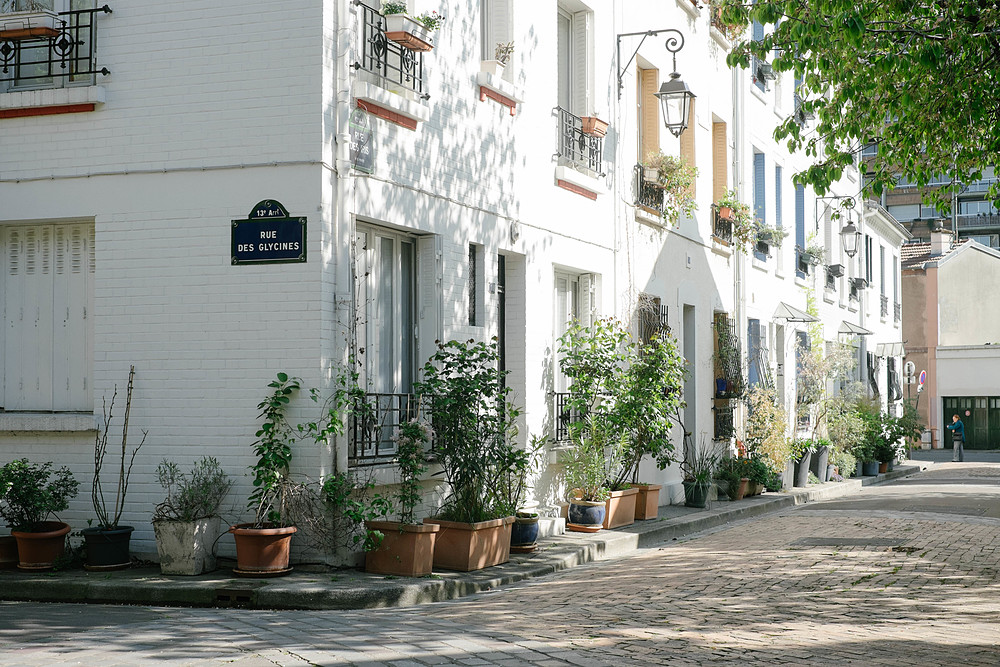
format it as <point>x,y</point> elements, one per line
<point>587,513</point>
<point>524,532</point>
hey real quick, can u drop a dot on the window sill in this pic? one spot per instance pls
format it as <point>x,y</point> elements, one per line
<point>51,101</point>
<point>720,247</point>
<point>690,8</point>
<point>760,265</point>
<point>76,422</point>
<point>395,100</point>
<point>576,181</point>
<point>829,295</point>
<point>649,217</point>
<point>503,92</point>
<point>723,41</point>
<point>758,93</point>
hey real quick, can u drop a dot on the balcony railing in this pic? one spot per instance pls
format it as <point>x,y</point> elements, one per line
<point>583,151</point>
<point>373,426</point>
<point>979,221</point>
<point>68,56</point>
<point>855,292</point>
<point>386,59</point>
<point>725,427</point>
<point>897,312</point>
<point>831,279</point>
<point>647,195</point>
<point>722,228</point>
<point>884,311</point>
<point>564,416</point>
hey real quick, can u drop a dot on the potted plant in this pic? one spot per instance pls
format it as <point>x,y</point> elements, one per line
<point>475,424</point>
<point>731,476</point>
<point>676,178</point>
<point>698,478</point>
<point>730,31</point>
<point>820,459</point>
<point>594,126</point>
<point>740,216</point>
<point>33,20</point>
<point>595,448</point>
<point>186,523</point>
<point>766,432</point>
<point>27,500</point>
<point>501,56</point>
<point>263,546</point>
<point>801,453</point>
<point>758,473</point>
<point>411,32</point>
<point>404,547</point>
<point>514,489</point>
<point>108,541</point>
<point>771,236</point>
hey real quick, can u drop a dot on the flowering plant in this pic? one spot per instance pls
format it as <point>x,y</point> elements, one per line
<point>430,20</point>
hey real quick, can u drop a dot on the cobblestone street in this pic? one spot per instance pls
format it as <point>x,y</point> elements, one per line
<point>902,574</point>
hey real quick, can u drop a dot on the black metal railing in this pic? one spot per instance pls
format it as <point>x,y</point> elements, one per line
<point>564,416</point>
<point>885,306</point>
<point>652,318</point>
<point>647,195</point>
<point>759,358</point>
<point>729,360</point>
<point>392,62</point>
<point>725,427</point>
<point>583,151</point>
<point>831,279</point>
<point>897,312</point>
<point>855,293</point>
<point>373,425</point>
<point>66,57</point>
<point>873,366</point>
<point>722,228</point>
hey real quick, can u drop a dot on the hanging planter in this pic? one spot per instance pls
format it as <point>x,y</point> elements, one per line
<point>594,126</point>
<point>408,33</point>
<point>29,25</point>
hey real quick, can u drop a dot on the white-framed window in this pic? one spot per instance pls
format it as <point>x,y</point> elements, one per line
<point>496,27</point>
<point>48,328</point>
<point>575,301</point>
<point>575,58</point>
<point>44,62</point>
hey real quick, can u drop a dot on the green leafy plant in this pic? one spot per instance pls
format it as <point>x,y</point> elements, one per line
<point>430,20</point>
<point>766,429</point>
<point>474,423</point>
<point>772,236</point>
<point>411,460</point>
<point>676,177</point>
<point>514,475</point>
<point>273,450</point>
<point>597,449</point>
<point>193,496</point>
<point>700,467</point>
<point>107,519</point>
<point>730,471</point>
<point>800,447</point>
<point>844,461</point>
<point>757,470</point>
<point>389,8</point>
<point>744,231</point>
<point>28,497</point>
<point>347,501</point>
<point>730,30</point>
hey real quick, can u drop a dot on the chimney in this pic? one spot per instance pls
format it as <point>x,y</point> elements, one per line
<point>940,242</point>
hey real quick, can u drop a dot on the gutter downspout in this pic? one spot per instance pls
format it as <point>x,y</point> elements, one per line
<point>739,263</point>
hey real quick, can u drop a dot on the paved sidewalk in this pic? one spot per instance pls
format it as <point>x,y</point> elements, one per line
<point>351,589</point>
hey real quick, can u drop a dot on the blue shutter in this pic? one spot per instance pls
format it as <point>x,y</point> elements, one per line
<point>757,34</point>
<point>800,227</point>
<point>777,196</point>
<point>758,198</point>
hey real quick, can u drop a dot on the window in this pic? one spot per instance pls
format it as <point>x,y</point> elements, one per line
<point>652,317</point>
<point>475,286</point>
<point>881,265</point>
<point>720,161</point>
<point>869,260</point>
<point>759,202</point>
<point>758,369</point>
<point>649,112</point>
<point>777,204</point>
<point>496,27</point>
<point>46,63</point>
<point>575,301</point>
<point>575,60</point>
<point>800,227</point>
<point>47,335</point>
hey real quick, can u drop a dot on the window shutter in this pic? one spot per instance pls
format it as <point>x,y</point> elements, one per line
<point>720,163</point>
<point>588,299</point>
<point>759,210</point>
<point>497,26</point>
<point>72,291</point>
<point>582,65</point>
<point>430,302</point>
<point>649,141</point>
<point>777,196</point>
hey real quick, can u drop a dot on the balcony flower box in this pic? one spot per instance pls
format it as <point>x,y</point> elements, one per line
<point>835,270</point>
<point>408,33</point>
<point>594,126</point>
<point>770,236</point>
<point>29,25</point>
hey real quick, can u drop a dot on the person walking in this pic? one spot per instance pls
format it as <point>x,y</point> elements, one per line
<point>957,429</point>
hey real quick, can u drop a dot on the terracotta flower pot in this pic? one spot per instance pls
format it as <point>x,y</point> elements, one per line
<point>262,552</point>
<point>621,508</point>
<point>40,549</point>
<point>726,213</point>
<point>406,549</point>
<point>647,501</point>
<point>471,546</point>
<point>594,126</point>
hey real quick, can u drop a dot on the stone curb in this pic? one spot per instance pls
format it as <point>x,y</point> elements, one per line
<point>357,590</point>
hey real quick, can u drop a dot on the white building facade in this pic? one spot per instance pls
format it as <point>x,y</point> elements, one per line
<point>395,198</point>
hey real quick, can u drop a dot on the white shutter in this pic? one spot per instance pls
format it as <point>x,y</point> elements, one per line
<point>429,297</point>
<point>362,299</point>
<point>588,299</point>
<point>497,25</point>
<point>72,328</point>
<point>582,65</point>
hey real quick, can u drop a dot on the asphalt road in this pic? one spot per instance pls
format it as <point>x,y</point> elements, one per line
<point>902,574</point>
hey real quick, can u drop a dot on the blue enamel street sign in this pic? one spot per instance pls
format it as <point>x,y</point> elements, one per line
<point>269,236</point>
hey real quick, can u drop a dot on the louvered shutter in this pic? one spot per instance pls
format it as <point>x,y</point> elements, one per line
<point>430,299</point>
<point>800,225</point>
<point>582,65</point>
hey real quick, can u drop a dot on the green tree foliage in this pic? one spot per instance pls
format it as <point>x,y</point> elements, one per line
<point>917,78</point>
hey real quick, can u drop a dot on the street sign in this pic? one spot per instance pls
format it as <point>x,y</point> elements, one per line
<point>923,378</point>
<point>909,369</point>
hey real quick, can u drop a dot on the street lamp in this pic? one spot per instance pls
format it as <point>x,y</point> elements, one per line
<point>850,236</point>
<point>674,95</point>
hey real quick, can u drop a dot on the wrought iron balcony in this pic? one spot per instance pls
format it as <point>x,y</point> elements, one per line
<point>728,359</point>
<point>855,292</point>
<point>563,417</point>
<point>831,279</point>
<point>54,60</point>
<point>884,312</point>
<point>722,228</point>
<point>374,424</point>
<point>577,149</point>
<point>391,62</point>
<point>725,427</point>
<point>647,195</point>
<point>897,312</point>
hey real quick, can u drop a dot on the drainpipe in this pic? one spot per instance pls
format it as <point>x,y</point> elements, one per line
<point>739,263</point>
<point>341,230</point>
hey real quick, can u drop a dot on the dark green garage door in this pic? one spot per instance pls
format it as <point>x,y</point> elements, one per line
<point>981,416</point>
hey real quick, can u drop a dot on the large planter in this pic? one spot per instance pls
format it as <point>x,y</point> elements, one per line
<point>594,126</point>
<point>802,470</point>
<point>471,546</point>
<point>647,501</point>
<point>39,550</point>
<point>408,33</point>
<point>406,549</point>
<point>883,467</point>
<point>107,549</point>
<point>621,508</point>
<point>869,468</point>
<point>262,552</point>
<point>818,465</point>
<point>524,533</point>
<point>29,24</point>
<point>586,516</point>
<point>754,489</point>
<point>186,547</point>
<point>8,552</point>
<point>741,489</point>
<point>696,493</point>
